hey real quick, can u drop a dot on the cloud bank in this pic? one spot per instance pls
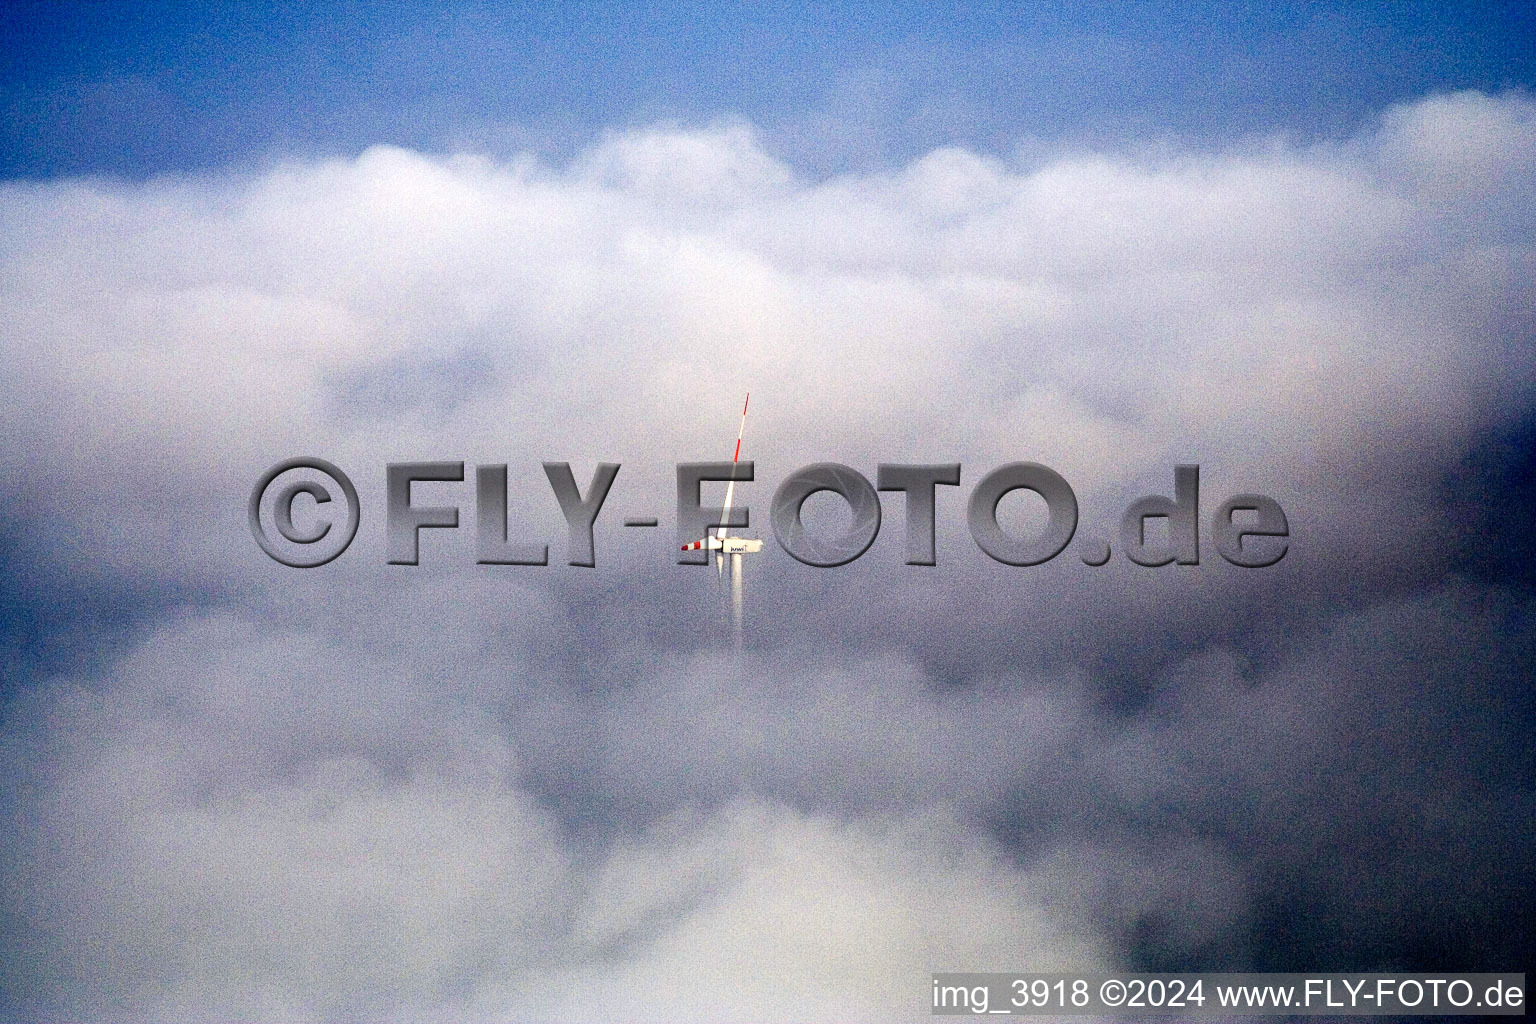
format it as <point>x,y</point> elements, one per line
<point>245,791</point>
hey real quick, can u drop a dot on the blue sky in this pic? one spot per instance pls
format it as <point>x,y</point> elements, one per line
<point>139,89</point>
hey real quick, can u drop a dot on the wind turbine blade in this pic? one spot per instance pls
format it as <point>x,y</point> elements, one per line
<point>736,601</point>
<point>730,488</point>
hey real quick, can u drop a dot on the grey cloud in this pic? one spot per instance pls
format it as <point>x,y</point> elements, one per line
<point>508,792</point>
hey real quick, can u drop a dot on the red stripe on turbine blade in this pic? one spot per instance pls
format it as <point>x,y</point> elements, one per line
<point>737,456</point>
<point>744,403</point>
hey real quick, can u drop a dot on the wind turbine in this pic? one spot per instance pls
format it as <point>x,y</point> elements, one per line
<point>722,544</point>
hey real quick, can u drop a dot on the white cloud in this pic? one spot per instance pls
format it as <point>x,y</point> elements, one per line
<point>217,835</point>
<point>1183,298</point>
<point>374,791</point>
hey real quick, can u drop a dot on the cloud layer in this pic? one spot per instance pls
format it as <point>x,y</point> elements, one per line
<point>550,793</point>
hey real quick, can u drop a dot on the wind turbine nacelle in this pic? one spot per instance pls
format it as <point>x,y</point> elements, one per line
<point>729,546</point>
